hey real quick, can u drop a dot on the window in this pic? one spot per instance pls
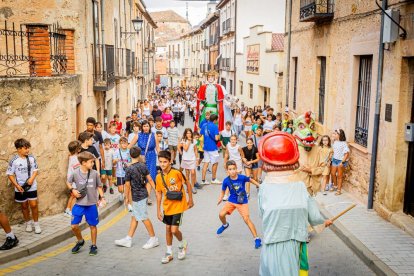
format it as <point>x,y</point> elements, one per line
<point>321,113</point>
<point>363,101</point>
<point>241,88</point>
<point>251,91</point>
<point>295,80</point>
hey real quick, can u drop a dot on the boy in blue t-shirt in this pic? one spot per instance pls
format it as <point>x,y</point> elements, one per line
<point>237,200</point>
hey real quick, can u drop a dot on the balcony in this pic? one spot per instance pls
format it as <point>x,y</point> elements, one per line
<point>103,68</point>
<point>316,10</point>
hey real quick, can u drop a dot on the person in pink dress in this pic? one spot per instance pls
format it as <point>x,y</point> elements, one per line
<point>167,117</point>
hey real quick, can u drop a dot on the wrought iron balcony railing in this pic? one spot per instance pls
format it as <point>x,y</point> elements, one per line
<point>316,10</point>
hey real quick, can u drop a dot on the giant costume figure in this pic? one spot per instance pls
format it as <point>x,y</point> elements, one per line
<point>286,208</point>
<point>310,171</point>
<point>211,97</point>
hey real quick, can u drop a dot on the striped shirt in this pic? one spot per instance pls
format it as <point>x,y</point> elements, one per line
<point>173,136</point>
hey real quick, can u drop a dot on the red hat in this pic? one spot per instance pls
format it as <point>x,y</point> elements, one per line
<point>279,149</point>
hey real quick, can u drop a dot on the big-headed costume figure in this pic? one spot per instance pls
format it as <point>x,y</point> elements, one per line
<point>286,208</point>
<point>311,168</point>
<point>212,97</point>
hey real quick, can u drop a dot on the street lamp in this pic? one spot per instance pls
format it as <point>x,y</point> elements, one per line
<point>137,24</point>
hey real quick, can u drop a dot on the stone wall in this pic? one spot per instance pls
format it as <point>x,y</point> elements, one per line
<point>41,110</point>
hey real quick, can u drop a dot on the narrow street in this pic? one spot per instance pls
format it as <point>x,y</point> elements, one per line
<point>231,254</point>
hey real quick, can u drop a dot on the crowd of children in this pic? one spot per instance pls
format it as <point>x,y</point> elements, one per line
<point>141,155</point>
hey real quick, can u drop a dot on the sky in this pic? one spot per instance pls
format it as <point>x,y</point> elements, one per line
<point>197,11</point>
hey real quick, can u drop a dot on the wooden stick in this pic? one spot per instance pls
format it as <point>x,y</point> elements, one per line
<point>343,212</point>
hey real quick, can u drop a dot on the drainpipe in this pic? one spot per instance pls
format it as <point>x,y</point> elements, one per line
<point>103,36</point>
<point>288,52</point>
<point>235,50</point>
<point>377,112</point>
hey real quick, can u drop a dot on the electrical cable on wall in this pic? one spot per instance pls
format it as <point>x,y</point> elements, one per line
<point>404,34</point>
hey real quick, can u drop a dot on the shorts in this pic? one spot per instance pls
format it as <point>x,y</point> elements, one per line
<point>90,213</point>
<point>173,220</point>
<point>172,148</point>
<point>120,181</point>
<point>188,164</point>
<point>106,172</point>
<point>243,209</point>
<point>253,167</point>
<point>336,162</point>
<point>201,154</point>
<point>139,209</point>
<point>25,196</point>
<point>211,157</point>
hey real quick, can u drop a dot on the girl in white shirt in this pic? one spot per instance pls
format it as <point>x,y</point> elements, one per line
<point>238,121</point>
<point>268,124</point>
<point>339,159</point>
<point>187,147</point>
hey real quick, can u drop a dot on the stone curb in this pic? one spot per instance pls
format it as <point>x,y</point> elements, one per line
<point>363,252</point>
<point>52,239</point>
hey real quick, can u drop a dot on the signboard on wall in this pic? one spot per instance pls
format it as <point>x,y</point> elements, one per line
<point>253,57</point>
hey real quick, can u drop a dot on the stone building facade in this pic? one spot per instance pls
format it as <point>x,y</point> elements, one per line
<point>83,59</point>
<point>334,57</point>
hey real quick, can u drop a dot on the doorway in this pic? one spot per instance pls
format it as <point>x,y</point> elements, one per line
<point>409,182</point>
<point>266,96</point>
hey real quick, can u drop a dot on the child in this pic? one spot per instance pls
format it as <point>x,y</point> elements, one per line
<point>106,172</point>
<point>250,162</point>
<point>87,186</point>
<point>199,144</point>
<point>286,120</point>
<point>237,200</point>
<point>289,127</point>
<point>86,139</point>
<point>268,124</point>
<point>121,159</point>
<point>113,136</point>
<point>74,148</point>
<point>233,152</point>
<point>188,150</point>
<point>137,187</point>
<point>256,140</point>
<point>173,206</point>
<point>22,172</point>
<point>135,131</point>
<point>225,136</point>
<point>11,239</point>
<point>173,134</point>
<point>326,153</point>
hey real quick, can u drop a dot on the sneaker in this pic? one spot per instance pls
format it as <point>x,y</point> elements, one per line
<point>149,202</point>
<point>167,258</point>
<point>257,243</point>
<point>111,191</point>
<point>29,226</point>
<point>194,190</point>
<point>93,250</point>
<point>124,242</point>
<point>216,181</point>
<point>182,250</point>
<point>209,171</point>
<point>37,228</point>
<point>204,182</point>
<point>129,208</point>
<point>105,188</point>
<point>222,228</point>
<point>324,193</point>
<point>78,246</point>
<point>198,186</point>
<point>121,198</point>
<point>9,243</point>
<point>151,243</point>
<point>67,213</point>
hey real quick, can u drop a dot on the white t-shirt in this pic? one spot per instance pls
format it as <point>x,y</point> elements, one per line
<point>18,168</point>
<point>234,153</point>
<point>73,164</point>
<point>114,140</point>
<point>268,125</point>
<point>340,148</point>
<point>131,136</point>
<point>108,158</point>
<point>163,130</point>
<point>238,120</point>
<point>189,154</point>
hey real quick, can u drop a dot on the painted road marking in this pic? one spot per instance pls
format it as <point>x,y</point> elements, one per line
<point>60,250</point>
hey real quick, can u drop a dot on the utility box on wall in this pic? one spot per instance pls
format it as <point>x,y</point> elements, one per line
<point>390,28</point>
<point>409,132</point>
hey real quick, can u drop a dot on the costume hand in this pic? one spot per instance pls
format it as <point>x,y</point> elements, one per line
<point>76,193</point>
<point>328,223</point>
